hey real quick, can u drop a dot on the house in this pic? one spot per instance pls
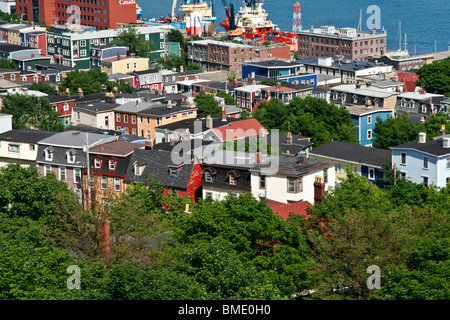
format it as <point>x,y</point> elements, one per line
<point>64,154</point>
<point>21,146</point>
<point>248,96</point>
<point>64,106</point>
<point>358,94</point>
<point>347,69</point>
<point>192,128</point>
<point>161,114</point>
<point>150,79</point>
<point>124,64</point>
<point>271,69</point>
<point>184,178</point>
<point>108,165</point>
<point>419,106</point>
<point>365,118</point>
<point>423,161</point>
<point>237,130</point>
<point>321,92</point>
<point>125,115</point>
<point>289,179</point>
<point>367,162</point>
<point>286,92</point>
<point>98,53</point>
<point>99,114</point>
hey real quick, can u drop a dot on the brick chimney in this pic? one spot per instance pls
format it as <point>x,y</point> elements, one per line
<point>319,189</point>
<point>149,144</point>
<point>118,56</point>
<point>67,92</point>
<point>443,131</point>
<point>289,138</point>
<point>224,114</point>
<point>80,92</point>
<point>116,91</point>
<point>258,157</point>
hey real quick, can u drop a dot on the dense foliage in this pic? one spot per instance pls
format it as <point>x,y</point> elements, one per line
<point>232,249</point>
<point>435,77</point>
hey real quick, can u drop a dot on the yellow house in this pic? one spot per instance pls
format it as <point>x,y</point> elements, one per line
<point>123,64</point>
<point>151,118</point>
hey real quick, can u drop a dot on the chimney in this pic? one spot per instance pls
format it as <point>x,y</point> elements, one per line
<point>80,92</point>
<point>116,91</point>
<point>262,133</point>
<point>224,114</point>
<point>358,84</point>
<point>258,157</point>
<point>147,97</point>
<point>57,90</point>
<point>209,122</point>
<point>181,69</point>
<point>149,144</point>
<point>104,89</point>
<point>319,189</point>
<point>235,83</point>
<point>422,91</point>
<point>442,131</point>
<point>110,97</point>
<point>289,137</point>
<point>368,83</point>
<point>118,56</point>
<point>368,104</point>
<point>288,153</point>
<point>67,92</point>
<point>157,92</point>
<point>169,104</point>
<point>446,142</point>
<point>422,137</point>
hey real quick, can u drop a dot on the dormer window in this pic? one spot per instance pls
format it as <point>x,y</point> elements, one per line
<point>71,155</point>
<point>48,154</point>
<point>97,163</point>
<point>355,99</point>
<point>138,169</point>
<point>232,177</point>
<point>112,164</point>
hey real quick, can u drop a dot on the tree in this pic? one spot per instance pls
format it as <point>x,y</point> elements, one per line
<point>24,193</point>
<point>8,64</point>
<point>121,85</point>
<point>435,77</point>
<point>172,61</point>
<point>207,104</point>
<point>394,131</point>
<point>194,67</point>
<point>43,87</point>
<point>136,44</point>
<point>90,81</point>
<point>434,123</point>
<point>31,112</point>
<point>229,100</point>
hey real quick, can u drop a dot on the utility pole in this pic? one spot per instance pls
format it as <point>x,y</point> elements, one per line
<point>88,172</point>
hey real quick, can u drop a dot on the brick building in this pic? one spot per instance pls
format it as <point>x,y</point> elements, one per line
<point>330,41</point>
<point>102,14</point>
<point>214,55</point>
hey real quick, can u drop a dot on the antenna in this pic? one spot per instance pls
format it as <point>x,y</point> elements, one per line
<point>400,36</point>
<point>360,21</point>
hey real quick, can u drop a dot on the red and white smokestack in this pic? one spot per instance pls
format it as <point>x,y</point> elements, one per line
<point>297,23</point>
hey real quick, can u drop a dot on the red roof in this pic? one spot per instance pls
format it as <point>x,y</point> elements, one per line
<point>284,209</point>
<point>239,129</point>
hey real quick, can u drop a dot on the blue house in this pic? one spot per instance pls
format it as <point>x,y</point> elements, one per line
<point>271,69</point>
<point>423,161</point>
<point>100,53</point>
<point>364,119</point>
<point>367,162</point>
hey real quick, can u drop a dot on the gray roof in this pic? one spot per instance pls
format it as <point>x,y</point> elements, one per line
<point>76,139</point>
<point>26,135</point>
<point>96,106</point>
<point>135,106</point>
<point>162,110</point>
<point>433,147</point>
<point>337,150</point>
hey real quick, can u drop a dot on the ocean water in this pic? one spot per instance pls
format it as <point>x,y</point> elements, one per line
<point>426,23</point>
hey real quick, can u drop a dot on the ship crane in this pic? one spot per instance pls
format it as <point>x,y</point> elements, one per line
<point>233,31</point>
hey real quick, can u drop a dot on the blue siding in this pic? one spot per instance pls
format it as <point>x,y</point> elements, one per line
<point>362,125</point>
<point>377,176</point>
<point>259,71</point>
<point>414,166</point>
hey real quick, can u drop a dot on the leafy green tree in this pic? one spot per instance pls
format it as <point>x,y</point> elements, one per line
<point>31,112</point>
<point>435,77</point>
<point>207,104</point>
<point>90,81</point>
<point>8,64</point>
<point>122,85</point>
<point>175,35</point>
<point>194,67</point>
<point>135,42</point>
<point>394,131</point>
<point>272,114</point>
<point>434,123</point>
<point>43,87</point>
<point>172,62</point>
<point>24,193</point>
<point>229,100</point>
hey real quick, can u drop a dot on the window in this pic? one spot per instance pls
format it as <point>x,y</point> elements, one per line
<point>262,181</point>
<point>371,174</point>
<point>291,184</point>
<point>403,158</point>
<point>208,195</point>
<point>208,176</point>
<point>325,176</point>
<point>338,167</point>
<point>355,169</point>
<point>173,172</point>
<point>13,148</point>
<point>403,175</point>
<point>47,169</point>
<point>112,164</point>
<point>77,175</point>
<point>425,163</point>
<point>447,163</point>
<point>62,173</point>
<point>369,134</point>
<point>125,118</point>
<point>369,120</point>
<point>32,147</point>
<point>425,181</point>
<point>70,157</point>
<point>116,184</point>
<point>97,163</point>
<point>48,155</point>
<point>232,179</point>
<point>104,183</point>
<point>299,184</point>
<point>137,169</point>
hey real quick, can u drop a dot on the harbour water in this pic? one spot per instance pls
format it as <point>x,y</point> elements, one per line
<point>425,23</point>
